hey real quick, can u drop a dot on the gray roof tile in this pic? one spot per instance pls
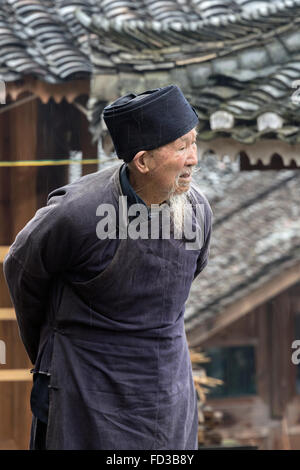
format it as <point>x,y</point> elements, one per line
<point>256,231</point>
<point>246,52</point>
<point>29,29</point>
<point>239,56</point>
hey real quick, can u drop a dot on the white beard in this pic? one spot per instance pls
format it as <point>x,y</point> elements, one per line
<point>180,206</point>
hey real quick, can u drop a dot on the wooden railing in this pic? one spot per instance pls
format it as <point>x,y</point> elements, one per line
<point>3,252</point>
<point>15,375</point>
<point>8,314</point>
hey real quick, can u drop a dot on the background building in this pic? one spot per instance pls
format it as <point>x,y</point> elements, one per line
<point>238,63</point>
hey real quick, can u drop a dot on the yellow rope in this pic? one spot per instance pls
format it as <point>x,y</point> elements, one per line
<point>55,162</point>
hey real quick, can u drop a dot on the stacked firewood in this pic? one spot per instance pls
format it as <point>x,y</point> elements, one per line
<point>209,419</point>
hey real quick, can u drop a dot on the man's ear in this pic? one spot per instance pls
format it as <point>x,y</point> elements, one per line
<point>141,161</point>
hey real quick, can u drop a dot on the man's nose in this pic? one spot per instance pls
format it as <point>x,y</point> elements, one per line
<point>192,158</point>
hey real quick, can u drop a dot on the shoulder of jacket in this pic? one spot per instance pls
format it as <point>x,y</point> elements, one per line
<point>88,188</point>
<point>199,198</point>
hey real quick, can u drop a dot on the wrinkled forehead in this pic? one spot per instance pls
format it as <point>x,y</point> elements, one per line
<point>160,152</point>
<point>189,136</point>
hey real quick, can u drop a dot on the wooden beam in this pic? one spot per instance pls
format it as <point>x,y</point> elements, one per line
<point>15,375</point>
<point>262,150</point>
<point>22,146</point>
<point>281,326</point>
<point>263,353</point>
<point>199,333</point>
<point>55,136</point>
<point>89,150</point>
<point>278,438</point>
<point>7,314</point>
<point>45,91</point>
<point>5,225</point>
<point>3,253</point>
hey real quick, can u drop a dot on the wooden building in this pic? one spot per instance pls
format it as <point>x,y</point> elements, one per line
<point>47,84</point>
<point>237,63</point>
<point>244,311</point>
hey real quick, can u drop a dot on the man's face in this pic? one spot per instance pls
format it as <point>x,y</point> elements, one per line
<point>172,164</point>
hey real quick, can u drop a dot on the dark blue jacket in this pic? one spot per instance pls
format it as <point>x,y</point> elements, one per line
<point>111,338</point>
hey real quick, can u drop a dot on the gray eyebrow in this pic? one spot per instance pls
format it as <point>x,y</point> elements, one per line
<point>186,138</point>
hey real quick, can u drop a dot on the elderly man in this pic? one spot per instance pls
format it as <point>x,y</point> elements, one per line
<point>101,313</point>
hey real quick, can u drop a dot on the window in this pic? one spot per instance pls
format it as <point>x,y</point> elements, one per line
<point>235,365</point>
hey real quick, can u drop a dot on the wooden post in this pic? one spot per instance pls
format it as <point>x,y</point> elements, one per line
<point>278,438</point>
<point>281,328</point>
<point>5,221</point>
<point>22,146</point>
<point>89,150</point>
<point>53,142</point>
<point>263,354</point>
<point>281,332</point>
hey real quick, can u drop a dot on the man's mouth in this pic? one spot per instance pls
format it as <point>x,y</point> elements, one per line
<point>186,176</point>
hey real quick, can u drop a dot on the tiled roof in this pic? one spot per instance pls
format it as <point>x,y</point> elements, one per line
<point>239,57</point>
<point>43,38</point>
<point>236,60</point>
<point>256,234</point>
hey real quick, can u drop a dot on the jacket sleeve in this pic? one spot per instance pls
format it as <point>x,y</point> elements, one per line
<point>44,248</point>
<point>205,250</point>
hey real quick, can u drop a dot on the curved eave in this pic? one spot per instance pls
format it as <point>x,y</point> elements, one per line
<point>69,90</point>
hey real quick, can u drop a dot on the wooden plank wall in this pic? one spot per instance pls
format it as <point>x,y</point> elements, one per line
<point>271,418</point>
<point>28,132</point>
<point>281,323</point>
<point>89,149</point>
<point>17,205</point>
<point>61,128</point>
<point>5,221</point>
<point>22,146</point>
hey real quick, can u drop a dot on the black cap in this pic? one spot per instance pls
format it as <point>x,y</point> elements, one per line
<point>148,120</point>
